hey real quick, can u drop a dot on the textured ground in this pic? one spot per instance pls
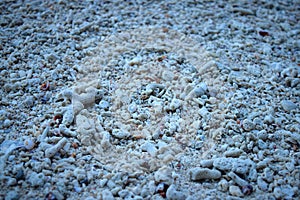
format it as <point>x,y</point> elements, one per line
<point>149,99</point>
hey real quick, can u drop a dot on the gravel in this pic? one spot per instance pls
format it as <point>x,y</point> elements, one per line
<point>149,99</point>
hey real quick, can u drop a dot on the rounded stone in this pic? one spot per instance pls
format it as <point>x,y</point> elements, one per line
<point>235,191</point>
<point>198,173</point>
<point>288,105</point>
<point>36,180</point>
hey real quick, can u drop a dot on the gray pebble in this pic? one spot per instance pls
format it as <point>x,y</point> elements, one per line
<point>104,104</point>
<point>7,123</point>
<point>268,175</point>
<point>252,174</point>
<point>111,184</point>
<point>284,191</point>
<point>248,125</point>
<point>223,185</point>
<point>269,119</point>
<point>198,173</point>
<point>238,180</point>
<point>68,116</point>
<point>235,191</point>
<point>262,185</point>
<point>262,145</point>
<point>206,163</point>
<point>50,152</point>
<point>148,189</point>
<point>28,102</point>
<point>288,105</point>
<point>223,164</point>
<point>12,195</point>
<point>173,194</point>
<point>163,175</point>
<point>120,134</point>
<point>125,194</point>
<point>58,195</point>
<point>107,195</point>
<point>149,147</point>
<point>233,152</point>
<point>36,180</point>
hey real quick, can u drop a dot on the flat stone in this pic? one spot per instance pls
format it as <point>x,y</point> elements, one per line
<point>288,105</point>
<point>199,173</point>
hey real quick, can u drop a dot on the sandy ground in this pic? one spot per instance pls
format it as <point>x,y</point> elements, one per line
<point>149,99</point>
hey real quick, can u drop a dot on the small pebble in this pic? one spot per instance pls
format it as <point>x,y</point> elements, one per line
<point>235,191</point>
<point>12,195</point>
<point>248,125</point>
<point>173,194</point>
<point>262,185</point>
<point>288,105</point>
<point>36,180</point>
<point>197,174</point>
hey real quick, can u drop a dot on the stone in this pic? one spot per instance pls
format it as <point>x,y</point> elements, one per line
<point>235,191</point>
<point>262,185</point>
<point>107,195</point>
<point>262,145</point>
<point>12,195</point>
<point>164,175</point>
<point>28,102</point>
<point>207,163</point>
<point>268,175</point>
<point>36,180</point>
<point>50,152</point>
<point>248,125</point>
<point>198,173</point>
<point>120,134</point>
<point>238,180</point>
<point>68,116</point>
<point>284,191</point>
<point>173,194</point>
<point>288,105</point>
<point>223,185</point>
<point>269,119</point>
<point>233,152</point>
<point>223,164</point>
<point>149,147</point>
